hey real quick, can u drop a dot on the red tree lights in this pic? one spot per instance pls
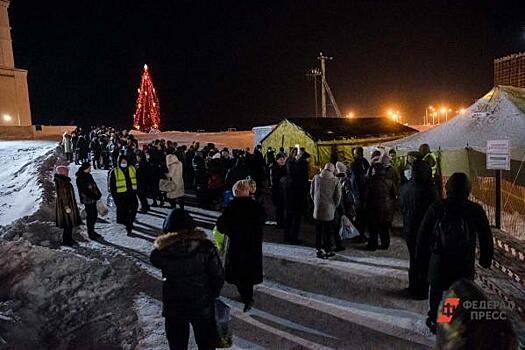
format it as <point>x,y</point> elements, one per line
<point>147,113</point>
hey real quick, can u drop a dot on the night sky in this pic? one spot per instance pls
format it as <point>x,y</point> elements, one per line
<point>239,64</point>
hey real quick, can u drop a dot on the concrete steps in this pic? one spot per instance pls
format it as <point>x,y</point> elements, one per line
<point>374,281</point>
<point>307,303</point>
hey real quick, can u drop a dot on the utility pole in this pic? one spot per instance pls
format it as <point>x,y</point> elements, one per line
<point>323,59</point>
<point>313,74</point>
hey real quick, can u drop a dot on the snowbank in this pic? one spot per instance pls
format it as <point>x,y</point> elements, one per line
<point>53,297</point>
<point>20,192</point>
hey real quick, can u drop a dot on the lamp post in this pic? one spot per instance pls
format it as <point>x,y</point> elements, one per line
<point>429,112</point>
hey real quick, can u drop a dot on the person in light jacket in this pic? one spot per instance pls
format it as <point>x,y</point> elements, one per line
<point>175,175</point>
<point>67,143</point>
<point>326,193</point>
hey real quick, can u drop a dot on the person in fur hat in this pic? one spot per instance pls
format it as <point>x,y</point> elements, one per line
<point>242,221</point>
<point>193,279</point>
<point>66,209</point>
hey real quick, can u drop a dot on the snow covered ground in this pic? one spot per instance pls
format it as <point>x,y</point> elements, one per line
<point>231,139</point>
<point>20,194</point>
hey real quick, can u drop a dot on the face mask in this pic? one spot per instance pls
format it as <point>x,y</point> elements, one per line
<point>123,165</point>
<point>408,173</point>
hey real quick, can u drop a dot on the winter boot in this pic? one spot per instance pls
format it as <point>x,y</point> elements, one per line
<point>321,254</point>
<point>94,236</point>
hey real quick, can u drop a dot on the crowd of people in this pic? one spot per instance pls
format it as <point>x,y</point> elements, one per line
<point>440,234</point>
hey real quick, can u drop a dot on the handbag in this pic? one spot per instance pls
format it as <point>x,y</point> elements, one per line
<point>347,229</point>
<point>102,209</point>
<point>223,325</point>
<point>166,185</point>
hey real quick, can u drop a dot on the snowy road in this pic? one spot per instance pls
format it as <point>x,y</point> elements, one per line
<point>20,194</point>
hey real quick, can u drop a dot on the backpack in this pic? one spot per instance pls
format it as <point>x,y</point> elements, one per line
<point>451,235</point>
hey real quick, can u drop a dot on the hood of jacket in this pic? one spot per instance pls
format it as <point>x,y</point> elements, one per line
<point>181,243</point>
<point>171,159</point>
<point>326,174</point>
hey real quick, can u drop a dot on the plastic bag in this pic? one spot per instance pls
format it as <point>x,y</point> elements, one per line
<point>347,230</point>
<point>227,197</point>
<point>223,324</point>
<point>102,209</point>
<point>167,185</point>
<point>109,200</point>
<point>218,238</point>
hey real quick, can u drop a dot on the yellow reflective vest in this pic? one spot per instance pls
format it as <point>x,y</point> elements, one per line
<point>120,179</point>
<point>435,163</point>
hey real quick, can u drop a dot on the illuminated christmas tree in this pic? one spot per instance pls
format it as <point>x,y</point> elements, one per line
<point>147,113</point>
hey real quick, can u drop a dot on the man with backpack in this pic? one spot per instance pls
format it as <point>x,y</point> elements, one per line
<point>447,238</point>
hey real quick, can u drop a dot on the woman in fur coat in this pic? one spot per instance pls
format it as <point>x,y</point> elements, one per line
<point>66,209</point>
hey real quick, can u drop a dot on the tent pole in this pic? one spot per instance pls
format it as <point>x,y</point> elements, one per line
<point>498,199</point>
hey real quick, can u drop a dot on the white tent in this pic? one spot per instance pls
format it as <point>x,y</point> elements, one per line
<point>499,115</point>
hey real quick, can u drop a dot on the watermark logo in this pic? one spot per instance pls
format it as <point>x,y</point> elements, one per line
<point>449,306</point>
<point>478,309</point>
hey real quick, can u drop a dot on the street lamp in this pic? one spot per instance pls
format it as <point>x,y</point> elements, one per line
<point>445,111</point>
<point>7,118</point>
<point>428,112</point>
<point>394,115</point>
<point>350,115</point>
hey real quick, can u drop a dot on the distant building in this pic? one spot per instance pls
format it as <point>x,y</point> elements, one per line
<point>14,95</point>
<point>510,70</point>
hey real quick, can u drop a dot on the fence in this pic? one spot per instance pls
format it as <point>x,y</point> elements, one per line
<point>512,196</point>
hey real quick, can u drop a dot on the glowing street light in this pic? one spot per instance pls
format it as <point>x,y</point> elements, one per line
<point>350,115</point>
<point>7,118</point>
<point>394,115</point>
<point>445,111</point>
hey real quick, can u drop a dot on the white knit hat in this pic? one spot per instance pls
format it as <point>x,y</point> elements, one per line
<point>330,167</point>
<point>340,168</point>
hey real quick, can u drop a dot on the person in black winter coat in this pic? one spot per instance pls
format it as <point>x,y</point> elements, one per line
<point>201,179</point>
<point>89,194</point>
<point>194,277</point>
<point>380,205</point>
<point>296,187</point>
<point>359,170</point>
<point>242,222</point>
<point>415,197</point>
<point>451,259</point>
<point>144,173</point>
<point>83,149</point>
<point>277,172</point>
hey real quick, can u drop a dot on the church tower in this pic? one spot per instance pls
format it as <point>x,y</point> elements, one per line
<point>14,95</point>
